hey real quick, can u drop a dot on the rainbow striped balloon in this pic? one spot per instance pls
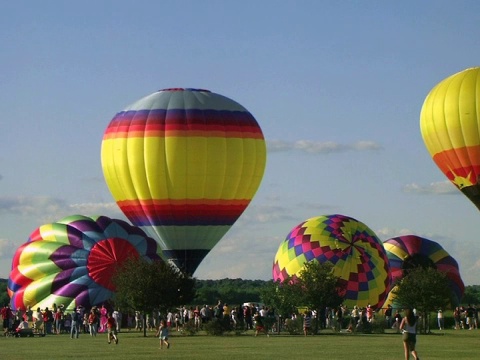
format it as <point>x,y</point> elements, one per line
<point>183,164</point>
<point>71,261</point>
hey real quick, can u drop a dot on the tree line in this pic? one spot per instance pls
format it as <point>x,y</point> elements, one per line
<point>237,291</point>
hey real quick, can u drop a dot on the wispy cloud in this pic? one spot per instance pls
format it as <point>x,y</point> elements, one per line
<point>24,205</point>
<point>110,209</point>
<point>387,233</point>
<point>50,206</point>
<point>320,147</point>
<point>250,249</point>
<point>439,188</point>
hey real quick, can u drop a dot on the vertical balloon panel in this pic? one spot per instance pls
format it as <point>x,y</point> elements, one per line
<point>183,164</point>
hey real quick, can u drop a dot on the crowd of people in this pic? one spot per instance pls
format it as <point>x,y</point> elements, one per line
<point>466,317</point>
<point>57,320</point>
<point>249,316</point>
<point>242,317</point>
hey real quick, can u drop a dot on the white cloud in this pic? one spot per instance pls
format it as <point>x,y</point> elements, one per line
<point>388,233</point>
<point>240,256</point>
<point>317,147</point>
<point>439,188</point>
<point>320,147</point>
<point>48,207</point>
<point>23,205</point>
<point>109,209</point>
<point>366,145</point>
<point>278,145</point>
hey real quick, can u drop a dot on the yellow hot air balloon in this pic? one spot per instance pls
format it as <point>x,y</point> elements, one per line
<point>450,126</point>
<point>183,165</point>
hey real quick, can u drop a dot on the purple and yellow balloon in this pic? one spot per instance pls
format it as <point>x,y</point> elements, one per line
<point>72,261</point>
<point>409,251</point>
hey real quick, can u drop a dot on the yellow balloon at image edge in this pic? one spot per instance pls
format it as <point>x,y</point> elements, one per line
<point>450,128</point>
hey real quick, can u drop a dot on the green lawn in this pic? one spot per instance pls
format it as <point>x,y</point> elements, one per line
<point>450,344</point>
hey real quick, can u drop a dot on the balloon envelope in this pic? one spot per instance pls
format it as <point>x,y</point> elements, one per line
<point>357,254</point>
<point>71,261</point>
<point>183,164</point>
<point>450,127</point>
<point>409,251</point>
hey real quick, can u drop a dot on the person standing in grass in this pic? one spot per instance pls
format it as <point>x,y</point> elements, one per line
<point>409,330</point>
<point>307,322</point>
<point>441,325</point>
<point>93,322</point>
<point>162,334</point>
<point>111,325</point>
<point>75,326</point>
<point>259,325</point>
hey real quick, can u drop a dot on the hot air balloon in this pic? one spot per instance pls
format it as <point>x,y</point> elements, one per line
<point>183,165</point>
<point>450,127</point>
<point>409,251</point>
<point>71,261</point>
<point>357,254</point>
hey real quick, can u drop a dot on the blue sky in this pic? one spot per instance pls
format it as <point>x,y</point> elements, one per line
<point>337,87</point>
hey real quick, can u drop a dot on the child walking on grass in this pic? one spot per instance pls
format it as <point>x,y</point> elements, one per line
<point>162,334</point>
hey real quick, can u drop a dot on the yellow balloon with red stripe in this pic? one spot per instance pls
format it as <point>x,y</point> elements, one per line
<point>183,165</point>
<point>450,127</point>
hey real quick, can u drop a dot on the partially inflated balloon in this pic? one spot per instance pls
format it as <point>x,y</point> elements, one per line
<point>450,126</point>
<point>71,261</point>
<point>357,254</point>
<point>183,164</point>
<point>409,251</point>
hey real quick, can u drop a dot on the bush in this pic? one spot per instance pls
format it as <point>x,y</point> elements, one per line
<point>189,328</point>
<point>375,327</point>
<point>269,321</point>
<point>378,327</point>
<point>218,327</point>
<point>294,327</point>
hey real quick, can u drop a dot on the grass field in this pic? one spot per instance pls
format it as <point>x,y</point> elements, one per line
<point>449,344</point>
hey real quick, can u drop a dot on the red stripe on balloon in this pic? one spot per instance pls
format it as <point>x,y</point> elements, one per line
<point>178,123</point>
<point>171,212</point>
<point>460,162</point>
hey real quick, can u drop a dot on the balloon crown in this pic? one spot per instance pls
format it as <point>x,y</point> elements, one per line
<point>184,89</point>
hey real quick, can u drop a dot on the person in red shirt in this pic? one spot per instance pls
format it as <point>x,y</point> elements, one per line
<point>111,329</point>
<point>369,313</point>
<point>7,315</point>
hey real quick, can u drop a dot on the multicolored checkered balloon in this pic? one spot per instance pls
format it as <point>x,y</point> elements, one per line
<point>357,254</point>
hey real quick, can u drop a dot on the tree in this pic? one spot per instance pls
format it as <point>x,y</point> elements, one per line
<point>423,289</point>
<point>316,287</point>
<point>282,297</point>
<point>4,298</point>
<point>146,286</point>
<point>319,288</point>
<point>471,295</point>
